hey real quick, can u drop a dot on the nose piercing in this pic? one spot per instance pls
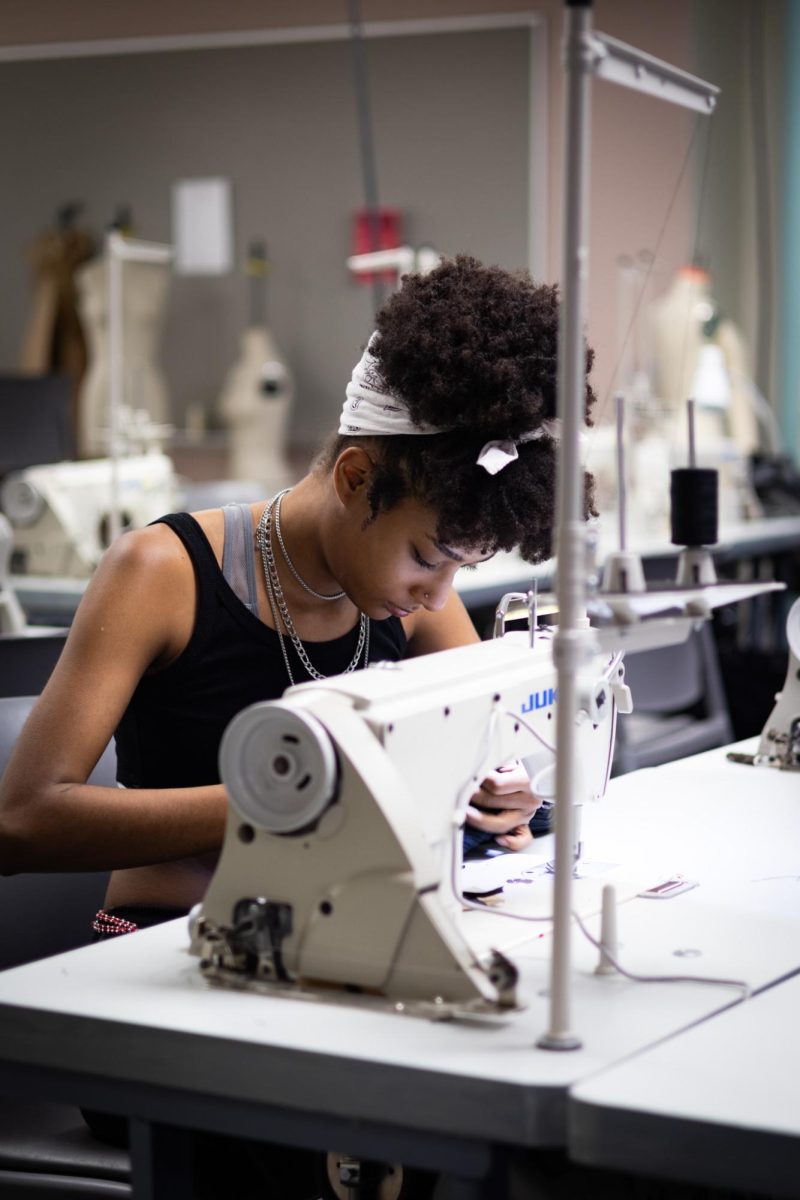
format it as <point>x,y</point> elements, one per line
<point>426,595</point>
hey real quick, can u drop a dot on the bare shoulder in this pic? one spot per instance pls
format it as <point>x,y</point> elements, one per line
<point>136,616</point>
<point>142,594</point>
<point>143,557</point>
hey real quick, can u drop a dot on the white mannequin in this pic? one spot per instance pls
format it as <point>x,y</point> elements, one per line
<point>678,342</point>
<point>699,356</point>
<point>254,404</point>
<point>258,392</point>
<point>144,294</point>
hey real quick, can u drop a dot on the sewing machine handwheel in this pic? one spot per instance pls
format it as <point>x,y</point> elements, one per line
<point>279,767</point>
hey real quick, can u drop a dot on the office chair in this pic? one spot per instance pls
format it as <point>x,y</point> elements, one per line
<point>46,1150</point>
<point>27,659</point>
<point>679,704</point>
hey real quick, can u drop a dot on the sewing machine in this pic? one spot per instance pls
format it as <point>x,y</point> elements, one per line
<point>341,861</point>
<point>60,512</point>
<point>342,851</point>
<point>779,744</point>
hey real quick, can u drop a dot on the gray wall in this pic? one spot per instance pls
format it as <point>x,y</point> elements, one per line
<point>451,131</point>
<point>740,204</point>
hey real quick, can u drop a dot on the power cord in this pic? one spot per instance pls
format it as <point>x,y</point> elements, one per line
<point>738,983</point>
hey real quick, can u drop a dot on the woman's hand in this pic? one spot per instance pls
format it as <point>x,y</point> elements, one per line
<point>516,839</point>
<point>503,805</point>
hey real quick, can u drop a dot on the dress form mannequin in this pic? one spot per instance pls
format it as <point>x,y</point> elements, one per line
<point>685,322</point>
<point>144,294</point>
<point>54,340</point>
<point>700,354</point>
<point>257,395</point>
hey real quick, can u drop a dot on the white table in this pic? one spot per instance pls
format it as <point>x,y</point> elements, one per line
<point>717,1105</point>
<point>131,1027</point>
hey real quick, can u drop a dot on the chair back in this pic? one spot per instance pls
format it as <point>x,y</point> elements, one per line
<point>46,913</point>
<point>679,704</point>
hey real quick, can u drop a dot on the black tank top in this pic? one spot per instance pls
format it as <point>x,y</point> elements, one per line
<point>170,732</point>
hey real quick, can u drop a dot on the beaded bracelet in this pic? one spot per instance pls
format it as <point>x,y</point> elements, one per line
<point>111,926</point>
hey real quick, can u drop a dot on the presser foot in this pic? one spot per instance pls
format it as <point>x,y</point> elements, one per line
<point>577,854</point>
<point>251,947</point>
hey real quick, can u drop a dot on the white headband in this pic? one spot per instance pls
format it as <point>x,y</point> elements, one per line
<point>372,409</point>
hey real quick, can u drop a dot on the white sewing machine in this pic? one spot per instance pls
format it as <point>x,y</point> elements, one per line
<point>341,859</point>
<point>346,804</point>
<point>60,512</point>
<point>779,744</point>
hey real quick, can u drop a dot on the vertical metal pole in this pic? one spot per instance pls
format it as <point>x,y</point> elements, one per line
<point>789,306</point>
<point>621,487</point>
<point>115,378</point>
<point>538,150</point>
<point>368,167</point>
<point>569,641</point>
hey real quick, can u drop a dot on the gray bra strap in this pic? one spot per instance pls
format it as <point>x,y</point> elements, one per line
<point>238,559</point>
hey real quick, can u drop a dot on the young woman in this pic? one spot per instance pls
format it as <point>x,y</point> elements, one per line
<point>445,454</point>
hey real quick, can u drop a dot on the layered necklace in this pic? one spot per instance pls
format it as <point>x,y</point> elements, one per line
<point>271,517</point>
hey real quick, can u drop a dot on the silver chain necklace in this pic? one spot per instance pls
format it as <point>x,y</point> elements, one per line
<point>280,609</point>
<point>277,520</point>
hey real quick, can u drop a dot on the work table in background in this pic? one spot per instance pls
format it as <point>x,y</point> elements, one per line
<point>53,600</point>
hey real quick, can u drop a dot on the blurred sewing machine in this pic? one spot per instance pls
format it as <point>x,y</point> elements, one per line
<point>59,509</point>
<point>779,744</point>
<point>60,512</point>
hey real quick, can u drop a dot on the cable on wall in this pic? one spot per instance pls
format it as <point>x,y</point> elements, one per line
<point>365,136</point>
<point>762,195</point>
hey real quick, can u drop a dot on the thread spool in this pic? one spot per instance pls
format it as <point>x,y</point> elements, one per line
<point>694,506</point>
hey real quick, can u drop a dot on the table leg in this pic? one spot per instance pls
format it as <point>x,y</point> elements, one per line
<point>161,1161</point>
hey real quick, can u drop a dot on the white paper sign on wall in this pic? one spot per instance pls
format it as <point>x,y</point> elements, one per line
<point>202,226</point>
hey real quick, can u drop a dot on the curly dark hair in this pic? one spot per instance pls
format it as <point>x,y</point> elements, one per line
<point>472,349</point>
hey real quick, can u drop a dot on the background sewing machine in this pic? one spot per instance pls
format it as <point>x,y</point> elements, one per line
<point>779,744</point>
<point>58,508</point>
<point>60,511</point>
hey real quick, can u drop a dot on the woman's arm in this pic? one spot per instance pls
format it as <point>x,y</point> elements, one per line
<point>137,614</point>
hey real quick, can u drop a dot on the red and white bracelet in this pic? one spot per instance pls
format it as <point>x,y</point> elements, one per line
<point>110,926</point>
